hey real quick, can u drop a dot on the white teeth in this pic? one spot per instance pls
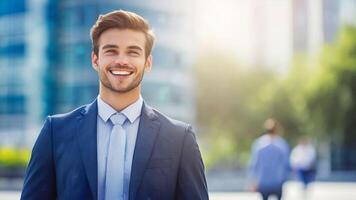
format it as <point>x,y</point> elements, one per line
<point>120,72</point>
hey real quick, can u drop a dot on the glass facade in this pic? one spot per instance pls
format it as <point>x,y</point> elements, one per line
<point>13,48</point>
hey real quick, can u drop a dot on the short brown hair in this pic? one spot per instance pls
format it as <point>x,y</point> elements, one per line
<point>122,20</point>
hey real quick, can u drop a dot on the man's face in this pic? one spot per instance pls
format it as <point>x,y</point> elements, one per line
<point>121,60</point>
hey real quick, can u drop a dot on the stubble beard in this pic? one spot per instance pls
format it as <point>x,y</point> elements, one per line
<point>106,83</point>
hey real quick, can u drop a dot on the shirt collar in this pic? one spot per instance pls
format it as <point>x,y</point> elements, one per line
<point>132,112</point>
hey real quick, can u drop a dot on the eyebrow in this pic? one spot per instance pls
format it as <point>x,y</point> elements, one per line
<point>110,46</point>
<point>135,47</point>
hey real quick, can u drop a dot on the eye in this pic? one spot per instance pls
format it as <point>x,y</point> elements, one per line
<point>110,51</point>
<point>133,53</point>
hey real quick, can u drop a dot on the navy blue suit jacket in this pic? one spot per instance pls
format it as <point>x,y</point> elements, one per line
<point>167,162</point>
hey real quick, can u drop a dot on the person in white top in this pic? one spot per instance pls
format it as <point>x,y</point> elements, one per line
<point>303,161</point>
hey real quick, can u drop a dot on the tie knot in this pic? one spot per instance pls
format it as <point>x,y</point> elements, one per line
<point>118,119</point>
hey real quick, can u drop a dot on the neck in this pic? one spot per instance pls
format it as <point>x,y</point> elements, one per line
<point>272,134</point>
<point>117,100</point>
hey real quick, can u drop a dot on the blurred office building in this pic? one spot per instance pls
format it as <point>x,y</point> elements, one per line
<point>316,22</point>
<point>45,60</point>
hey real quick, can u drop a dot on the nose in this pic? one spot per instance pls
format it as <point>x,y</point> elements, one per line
<point>121,59</point>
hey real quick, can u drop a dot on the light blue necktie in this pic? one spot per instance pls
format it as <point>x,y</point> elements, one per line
<point>114,189</point>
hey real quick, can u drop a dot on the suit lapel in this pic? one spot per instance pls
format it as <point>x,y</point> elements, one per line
<point>87,141</point>
<point>146,137</point>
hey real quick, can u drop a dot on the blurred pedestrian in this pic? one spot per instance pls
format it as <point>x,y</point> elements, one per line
<point>269,167</point>
<point>303,161</point>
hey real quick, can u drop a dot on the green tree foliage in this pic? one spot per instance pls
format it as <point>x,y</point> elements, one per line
<point>332,96</point>
<point>229,100</point>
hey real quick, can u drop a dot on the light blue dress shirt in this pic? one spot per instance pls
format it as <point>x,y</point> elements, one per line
<point>269,166</point>
<point>104,127</point>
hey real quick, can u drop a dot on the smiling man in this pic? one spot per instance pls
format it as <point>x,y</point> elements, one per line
<point>117,147</point>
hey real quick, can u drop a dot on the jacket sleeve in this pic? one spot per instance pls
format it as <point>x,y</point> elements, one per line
<point>191,178</point>
<point>40,179</point>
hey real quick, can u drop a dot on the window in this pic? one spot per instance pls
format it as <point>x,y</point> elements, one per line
<point>11,7</point>
<point>78,16</point>
<point>12,104</point>
<point>76,55</point>
<point>12,50</point>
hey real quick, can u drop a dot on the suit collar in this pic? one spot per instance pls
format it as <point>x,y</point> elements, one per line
<point>147,133</point>
<point>132,112</point>
<point>87,141</point>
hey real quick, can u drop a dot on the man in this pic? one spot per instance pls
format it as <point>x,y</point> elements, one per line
<point>117,147</point>
<point>269,165</point>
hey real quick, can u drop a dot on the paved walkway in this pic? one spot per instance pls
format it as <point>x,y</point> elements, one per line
<point>292,191</point>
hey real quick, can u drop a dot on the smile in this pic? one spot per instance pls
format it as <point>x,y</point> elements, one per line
<point>120,73</point>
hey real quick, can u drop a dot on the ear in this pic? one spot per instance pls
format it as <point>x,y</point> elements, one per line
<point>94,61</point>
<point>148,64</point>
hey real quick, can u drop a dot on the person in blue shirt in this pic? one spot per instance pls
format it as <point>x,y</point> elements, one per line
<point>269,166</point>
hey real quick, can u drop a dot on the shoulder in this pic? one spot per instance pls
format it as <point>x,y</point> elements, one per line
<point>62,127</point>
<point>261,141</point>
<point>68,115</point>
<point>71,117</point>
